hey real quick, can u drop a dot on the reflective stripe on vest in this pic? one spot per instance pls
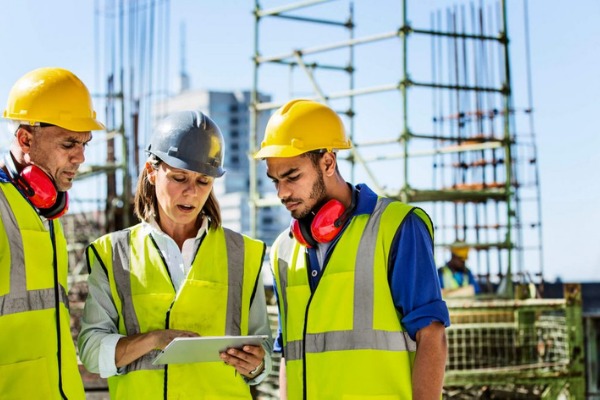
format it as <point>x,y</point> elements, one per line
<point>363,336</point>
<point>121,260</point>
<point>20,299</point>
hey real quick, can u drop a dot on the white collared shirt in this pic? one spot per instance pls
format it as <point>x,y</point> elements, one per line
<point>179,262</point>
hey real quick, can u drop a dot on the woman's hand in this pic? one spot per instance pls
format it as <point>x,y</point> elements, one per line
<point>165,336</point>
<point>248,360</point>
<point>130,348</point>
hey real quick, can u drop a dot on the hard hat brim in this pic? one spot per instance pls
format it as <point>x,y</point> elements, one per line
<point>282,151</point>
<point>77,125</point>
<point>201,168</point>
<point>82,125</point>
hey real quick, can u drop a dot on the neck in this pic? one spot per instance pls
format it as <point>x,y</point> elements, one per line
<point>341,191</point>
<point>181,233</point>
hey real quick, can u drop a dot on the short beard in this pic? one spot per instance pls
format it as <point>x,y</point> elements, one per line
<point>317,192</point>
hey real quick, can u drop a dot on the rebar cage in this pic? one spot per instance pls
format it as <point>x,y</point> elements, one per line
<point>530,349</point>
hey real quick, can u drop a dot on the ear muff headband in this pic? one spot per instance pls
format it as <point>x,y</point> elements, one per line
<point>39,188</point>
<point>326,224</point>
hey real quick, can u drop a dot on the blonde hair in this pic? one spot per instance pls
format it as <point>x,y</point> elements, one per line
<point>146,204</point>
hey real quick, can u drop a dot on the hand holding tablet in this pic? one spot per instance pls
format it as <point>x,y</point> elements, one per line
<point>203,348</point>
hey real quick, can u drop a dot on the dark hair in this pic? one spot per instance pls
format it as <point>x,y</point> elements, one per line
<point>146,204</point>
<point>316,155</point>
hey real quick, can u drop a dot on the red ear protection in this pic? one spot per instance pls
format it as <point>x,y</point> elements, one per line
<point>325,225</point>
<point>39,188</point>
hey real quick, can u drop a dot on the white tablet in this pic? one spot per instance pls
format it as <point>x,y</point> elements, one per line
<point>203,348</point>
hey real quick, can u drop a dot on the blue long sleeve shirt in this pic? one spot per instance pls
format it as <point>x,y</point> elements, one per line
<point>413,278</point>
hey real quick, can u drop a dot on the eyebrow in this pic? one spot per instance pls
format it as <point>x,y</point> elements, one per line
<point>285,174</point>
<point>77,141</point>
<point>173,170</point>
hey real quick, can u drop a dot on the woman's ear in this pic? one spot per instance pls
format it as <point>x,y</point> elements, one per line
<point>151,172</point>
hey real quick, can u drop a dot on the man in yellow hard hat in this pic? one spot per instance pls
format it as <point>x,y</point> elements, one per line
<point>360,307</point>
<point>51,113</point>
<point>456,278</point>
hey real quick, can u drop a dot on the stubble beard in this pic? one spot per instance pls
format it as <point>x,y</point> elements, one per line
<point>317,193</point>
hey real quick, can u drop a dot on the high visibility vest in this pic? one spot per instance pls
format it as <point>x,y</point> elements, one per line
<point>450,282</point>
<point>37,353</point>
<point>345,340</point>
<point>214,300</point>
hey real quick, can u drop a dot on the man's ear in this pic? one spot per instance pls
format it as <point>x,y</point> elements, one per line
<point>24,138</point>
<point>329,162</point>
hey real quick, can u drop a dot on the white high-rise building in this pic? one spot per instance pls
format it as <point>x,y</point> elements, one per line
<point>230,111</point>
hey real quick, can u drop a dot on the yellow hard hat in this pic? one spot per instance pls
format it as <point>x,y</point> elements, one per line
<point>460,249</point>
<point>52,96</point>
<point>300,126</point>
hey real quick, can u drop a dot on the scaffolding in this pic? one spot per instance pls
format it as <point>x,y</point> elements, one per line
<point>430,108</point>
<point>132,51</point>
<point>451,118</point>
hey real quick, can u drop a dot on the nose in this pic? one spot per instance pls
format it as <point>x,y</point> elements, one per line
<point>283,192</point>
<point>78,156</point>
<point>190,189</point>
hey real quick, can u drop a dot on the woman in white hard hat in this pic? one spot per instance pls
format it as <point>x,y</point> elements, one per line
<point>178,273</point>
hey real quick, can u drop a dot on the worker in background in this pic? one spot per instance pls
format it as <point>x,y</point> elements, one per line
<point>51,115</point>
<point>178,273</point>
<point>456,278</point>
<point>361,314</point>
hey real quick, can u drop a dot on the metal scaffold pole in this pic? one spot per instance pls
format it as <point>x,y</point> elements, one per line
<point>131,44</point>
<point>473,141</point>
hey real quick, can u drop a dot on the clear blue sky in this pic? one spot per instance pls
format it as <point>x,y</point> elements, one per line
<point>565,45</point>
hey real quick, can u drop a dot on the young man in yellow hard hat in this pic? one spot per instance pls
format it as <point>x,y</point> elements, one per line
<point>52,116</point>
<point>361,313</point>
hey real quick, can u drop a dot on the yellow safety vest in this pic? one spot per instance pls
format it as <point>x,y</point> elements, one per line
<point>37,354</point>
<point>214,300</point>
<point>449,280</point>
<point>345,340</point>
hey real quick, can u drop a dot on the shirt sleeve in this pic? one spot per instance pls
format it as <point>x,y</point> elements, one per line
<point>414,279</point>
<point>99,335</point>
<point>441,276</point>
